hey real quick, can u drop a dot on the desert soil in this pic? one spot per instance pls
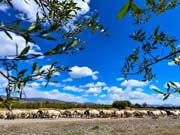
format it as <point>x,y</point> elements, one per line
<point>72,126</point>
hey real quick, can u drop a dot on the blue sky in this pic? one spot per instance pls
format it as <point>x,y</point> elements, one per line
<point>95,75</point>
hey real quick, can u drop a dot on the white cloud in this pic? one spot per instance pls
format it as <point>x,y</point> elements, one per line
<point>103,96</point>
<point>80,72</point>
<point>83,5</point>
<point>175,62</point>
<point>153,87</point>
<point>67,80</point>
<point>141,97</point>
<point>133,83</point>
<point>94,90</point>
<point>53,94</point>
<point>94,77</point>
<point>88,85</point>
<point>52,84</point>
<point>4,7</point>
<point>172,63</point>
<point>114,89</point>
<point>98,84</point>
<point>35,85</point>
<point>73,88</point>
<point>8,47</point>
<point>29,8</point>
<point>119,79</point>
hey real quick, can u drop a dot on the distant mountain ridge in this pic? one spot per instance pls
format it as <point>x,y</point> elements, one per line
<point>39,100</point>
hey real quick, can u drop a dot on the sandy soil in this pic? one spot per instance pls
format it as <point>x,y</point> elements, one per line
<point>123,126</point>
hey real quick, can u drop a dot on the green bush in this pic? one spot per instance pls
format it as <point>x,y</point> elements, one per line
<point>121,104</point>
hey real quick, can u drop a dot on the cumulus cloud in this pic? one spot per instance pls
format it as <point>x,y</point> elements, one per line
<point>133,83</point>
<point>81,72</point>
<point>103,96</point>
<point>83,5</point>
<point>8,46</point>
<point>51,84</point>
<point>35,85</point>
<point>114,89</point>
<point>90,85</point>
<point>29,8</point>
<point>153,87</point>
<point>4,7</point>
<point>141,97</point>
<point>53,94</point>
<point>119,79</point>
<point>171,63</point>
<point>67,80</point>
<point>94,90</point>
<point>73,88</point>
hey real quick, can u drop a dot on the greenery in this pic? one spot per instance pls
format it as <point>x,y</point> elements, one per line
<point>49,25</point>
<point>121,104</point>
<point>55,105</point>
<point>150,47</point>
<point>137,105</point>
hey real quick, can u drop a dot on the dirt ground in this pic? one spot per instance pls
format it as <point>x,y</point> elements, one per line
<point>62,126</point>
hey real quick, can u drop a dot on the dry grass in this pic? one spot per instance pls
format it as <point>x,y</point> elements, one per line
<point>124,126</point>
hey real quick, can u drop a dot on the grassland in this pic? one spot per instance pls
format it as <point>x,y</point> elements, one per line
<point>62,126</point>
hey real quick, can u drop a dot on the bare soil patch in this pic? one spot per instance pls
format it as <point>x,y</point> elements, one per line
<point>70,126</point>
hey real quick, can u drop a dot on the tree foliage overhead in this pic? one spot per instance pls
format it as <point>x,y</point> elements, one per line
<point>57,22</point>
<point>152,48</point>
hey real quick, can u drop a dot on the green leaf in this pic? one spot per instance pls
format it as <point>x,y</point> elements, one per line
<point>151,2</point>
<point>158,91</point>
<point>47,37</point>
<point>9,35</point>
<point>32,26</point>
<point>34,67</point>
<point>156,30</point>
<point>135,8</point>
<point>25,50</point>
<point>124,10</point>
<point>14,26</point>
<point>9,3</point>
<point>173,84</point>
<point>166,96</point>
<point>51,52</point>
<point>21,57</point>
<point>22,72</point>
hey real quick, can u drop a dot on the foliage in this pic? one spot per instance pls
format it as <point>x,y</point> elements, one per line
<point>137,105</point>
<point>153,48</point>
<point>50,24</point>
<point>121,104</point>
<point>55,105</point>
<point>144,104</point>
<point>152,7</point>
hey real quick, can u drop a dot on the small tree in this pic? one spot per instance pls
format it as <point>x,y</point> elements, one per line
<point>121,104</point>
<point>137,105</point>
<point>144,105</point>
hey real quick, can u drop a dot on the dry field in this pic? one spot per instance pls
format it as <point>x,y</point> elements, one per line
<point>62,126</point>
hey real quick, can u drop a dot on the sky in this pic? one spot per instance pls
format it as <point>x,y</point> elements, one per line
<point>95,75</point>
